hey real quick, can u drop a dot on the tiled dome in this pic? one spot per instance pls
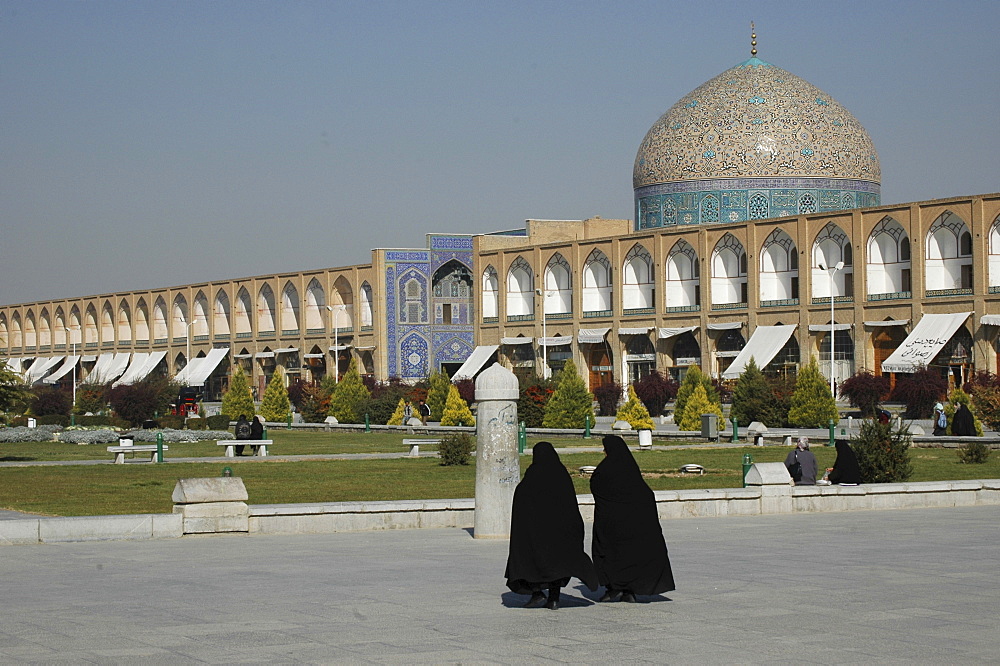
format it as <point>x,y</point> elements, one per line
<point>753,129</point>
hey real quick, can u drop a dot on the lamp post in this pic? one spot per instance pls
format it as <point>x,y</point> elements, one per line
<point>336,342</point>
<point>73,342</point>
<point>545,336</point>
<point>188,361</point>
<point>832,271</point>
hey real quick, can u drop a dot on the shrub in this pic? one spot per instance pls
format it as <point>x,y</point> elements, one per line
<point>315,405</point>
<point>19,434</point>
<point>466,389</point>
<point>608,396</point>
<point>297,392</point>
<point>975,452</point>
<point>275,406</point>
<point>920,391</point>
<point>179,436</point>
<point>48,400</point>
<point>532,401</point>
<point>987,402</point>
<point>782,389</point>
<point>635,413</point>
<point>571,403</point>
<point>54,419</point>
<point>171,421</point>
<point>698,404</point>
<point>218,422</point>
<point>349,397</point>
<point>103,436</point>
<point>655,390</point>
<point>753,399</point>
<point>693,378</point>
<point>959,397</point>
<point>380,409</point>
<point>456,411</point>
<point>397,415</point>
<point>437,394</point>
<point>456,449</point>
<point>883,452</point>
<point>91,398</point>
<point>238,399</point>
<point>135,403</point>
<point>812,404</point>
<point>13,393</point>
<point>865,391</point>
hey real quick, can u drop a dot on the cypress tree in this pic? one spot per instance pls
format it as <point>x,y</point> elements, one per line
<point>571,403</point>
<point>397,416</point>
<point>753,399</point>
<point>635,413</point>
<point>238,399</point>
<point>692,378</point>
<point>699,403</point>
<point>275,405</point>
<point>348,400</point>
<point>812,404</point>
<point>437,394</point>
<point>456,410</point>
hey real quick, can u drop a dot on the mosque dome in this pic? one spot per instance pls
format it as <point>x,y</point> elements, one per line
<point>754,142</point>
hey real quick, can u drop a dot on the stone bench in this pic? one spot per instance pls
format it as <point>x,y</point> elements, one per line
<point>120,451</point>
<point>231,445</point>
<point>414,445</point>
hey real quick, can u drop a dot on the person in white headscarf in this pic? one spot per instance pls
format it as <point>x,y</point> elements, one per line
<point>801,464</point>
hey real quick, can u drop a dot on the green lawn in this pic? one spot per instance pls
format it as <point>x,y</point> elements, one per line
<point>145,488</point>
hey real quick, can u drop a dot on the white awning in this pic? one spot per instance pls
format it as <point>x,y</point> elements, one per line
<point>251,355</point>
<point>303,356</point>
<point>555,341</point>
<point>923,343</point>
<point>520,340</point>
<point>137,373</point>
<point>118,366</point>
<point>40,368</point>
<point>264,355</point>
<point>104,362</point>
<point>138,361</point>
<point>635,331</point>
<point>892,322</point>
<point>762,346</point>
<point>477,359</point>
<point>989,320</point>
<point>366,348</point>
<point>63,370</point>
<point>665,333</point>
<point>204,367</point>
<point>16,364</point>
<point>335,348</point>
<point>88,358</point>
<point>725,326</point>
<point>286,350</point>
<point>825,328</point>
<point>591,336</point>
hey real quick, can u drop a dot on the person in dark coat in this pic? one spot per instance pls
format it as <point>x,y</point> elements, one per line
<point>256,432</point>
<point>628,546</point>
<point>242,432</point>
<point>807,465</point>
<point>546,532</point>
<point>845,470</point>
<point>963,424</point>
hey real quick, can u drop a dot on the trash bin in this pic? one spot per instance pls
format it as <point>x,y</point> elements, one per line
<point>710,426</point>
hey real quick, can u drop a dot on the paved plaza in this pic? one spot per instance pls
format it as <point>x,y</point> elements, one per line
<point>900,586</point>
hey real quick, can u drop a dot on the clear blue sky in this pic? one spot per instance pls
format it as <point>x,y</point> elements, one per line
<point>150,144</point>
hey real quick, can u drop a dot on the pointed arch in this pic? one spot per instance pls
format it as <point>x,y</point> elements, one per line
<point>888,269</point>
<point>343,300</point>
<point>729,272</point>
<point>637,279</point>
<point>44,328</point>
<point>124,322</point>
<point>161,326</point>
<point>30,333</point>
<point>289,309</point>
<point>520,290</point>
<point>558,286</point>
<point>107,323</point>
<point>59,334</point>
<point>315,306</point>
<point>948,257</point>
<point>367,318</point>
<point>994,256</point>
<point>597,286</point>
<point>221,314</point>
<point>141,323</point>
<point>5,341</point>
<point>779,264</point>
<point>265,309</point>
<point>179,317</point>
<point>682,278</point>
<point>200,319</point>
<point>491,293</point>
<point>830,247</point>
<point>90,330</point>
<point>243,320</point>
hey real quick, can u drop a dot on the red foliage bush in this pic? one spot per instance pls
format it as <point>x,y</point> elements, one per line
<point>608,396</point>
<point>655,391</point>
<point>919,391</point>
<point>865,391</point>
<point>49,400</point>
<point>466,389</point>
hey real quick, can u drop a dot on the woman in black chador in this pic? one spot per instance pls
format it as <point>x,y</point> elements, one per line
<point>546,532</point>
<point>629,551</point>
<point>845,470</point>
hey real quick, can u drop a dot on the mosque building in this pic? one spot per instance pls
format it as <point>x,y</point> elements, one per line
<point>758,232</point>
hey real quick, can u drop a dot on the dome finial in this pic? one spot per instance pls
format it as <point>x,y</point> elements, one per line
<point>753,41</point>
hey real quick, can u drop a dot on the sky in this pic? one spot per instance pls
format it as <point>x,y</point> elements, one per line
<point>152,144</point>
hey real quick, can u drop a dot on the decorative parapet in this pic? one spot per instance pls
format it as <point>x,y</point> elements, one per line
<point>936,293</point>
<point>825,300</point>
<point>629,312</point>
<point>891,296</point>
<point>593,314</point>
<point>728,306</point>
<point>684,308</point>
<point>524,317</point>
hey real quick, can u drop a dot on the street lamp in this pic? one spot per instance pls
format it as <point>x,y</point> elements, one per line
<point>831,272</point>
<point>336,341</point>
<point>73,342</point>
<point>545,336</point>
<point>188,362</point>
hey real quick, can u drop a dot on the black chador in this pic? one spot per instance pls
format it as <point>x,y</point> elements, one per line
<point>846,470</point>
<point>546,532</point>
<point>629,551</point>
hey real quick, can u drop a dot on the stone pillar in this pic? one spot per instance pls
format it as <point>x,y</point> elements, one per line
<point>216,504</point>
<point>775,485</point>
<point>498,465</point>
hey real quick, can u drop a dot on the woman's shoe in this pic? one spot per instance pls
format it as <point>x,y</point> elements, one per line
<point>553,602</point>
<point>628,597</point>
<point>537,600</point>
<point>609,595</point>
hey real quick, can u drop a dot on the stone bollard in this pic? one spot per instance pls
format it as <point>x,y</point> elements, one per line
<point>498,466</point>
<point>217,504</point>
<point>775,484</point>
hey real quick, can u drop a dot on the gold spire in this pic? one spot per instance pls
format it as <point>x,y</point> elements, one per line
<point>753,41</point>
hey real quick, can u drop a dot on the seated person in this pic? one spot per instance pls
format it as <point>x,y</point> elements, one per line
<point>845,470</point>
<point>256,432</point>
<point>243,431</point>
<point>801,464</point>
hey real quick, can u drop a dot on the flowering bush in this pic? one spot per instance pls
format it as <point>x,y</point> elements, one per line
<point>177,436</point>
<point>101,436</point>
<point>21,434</point>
